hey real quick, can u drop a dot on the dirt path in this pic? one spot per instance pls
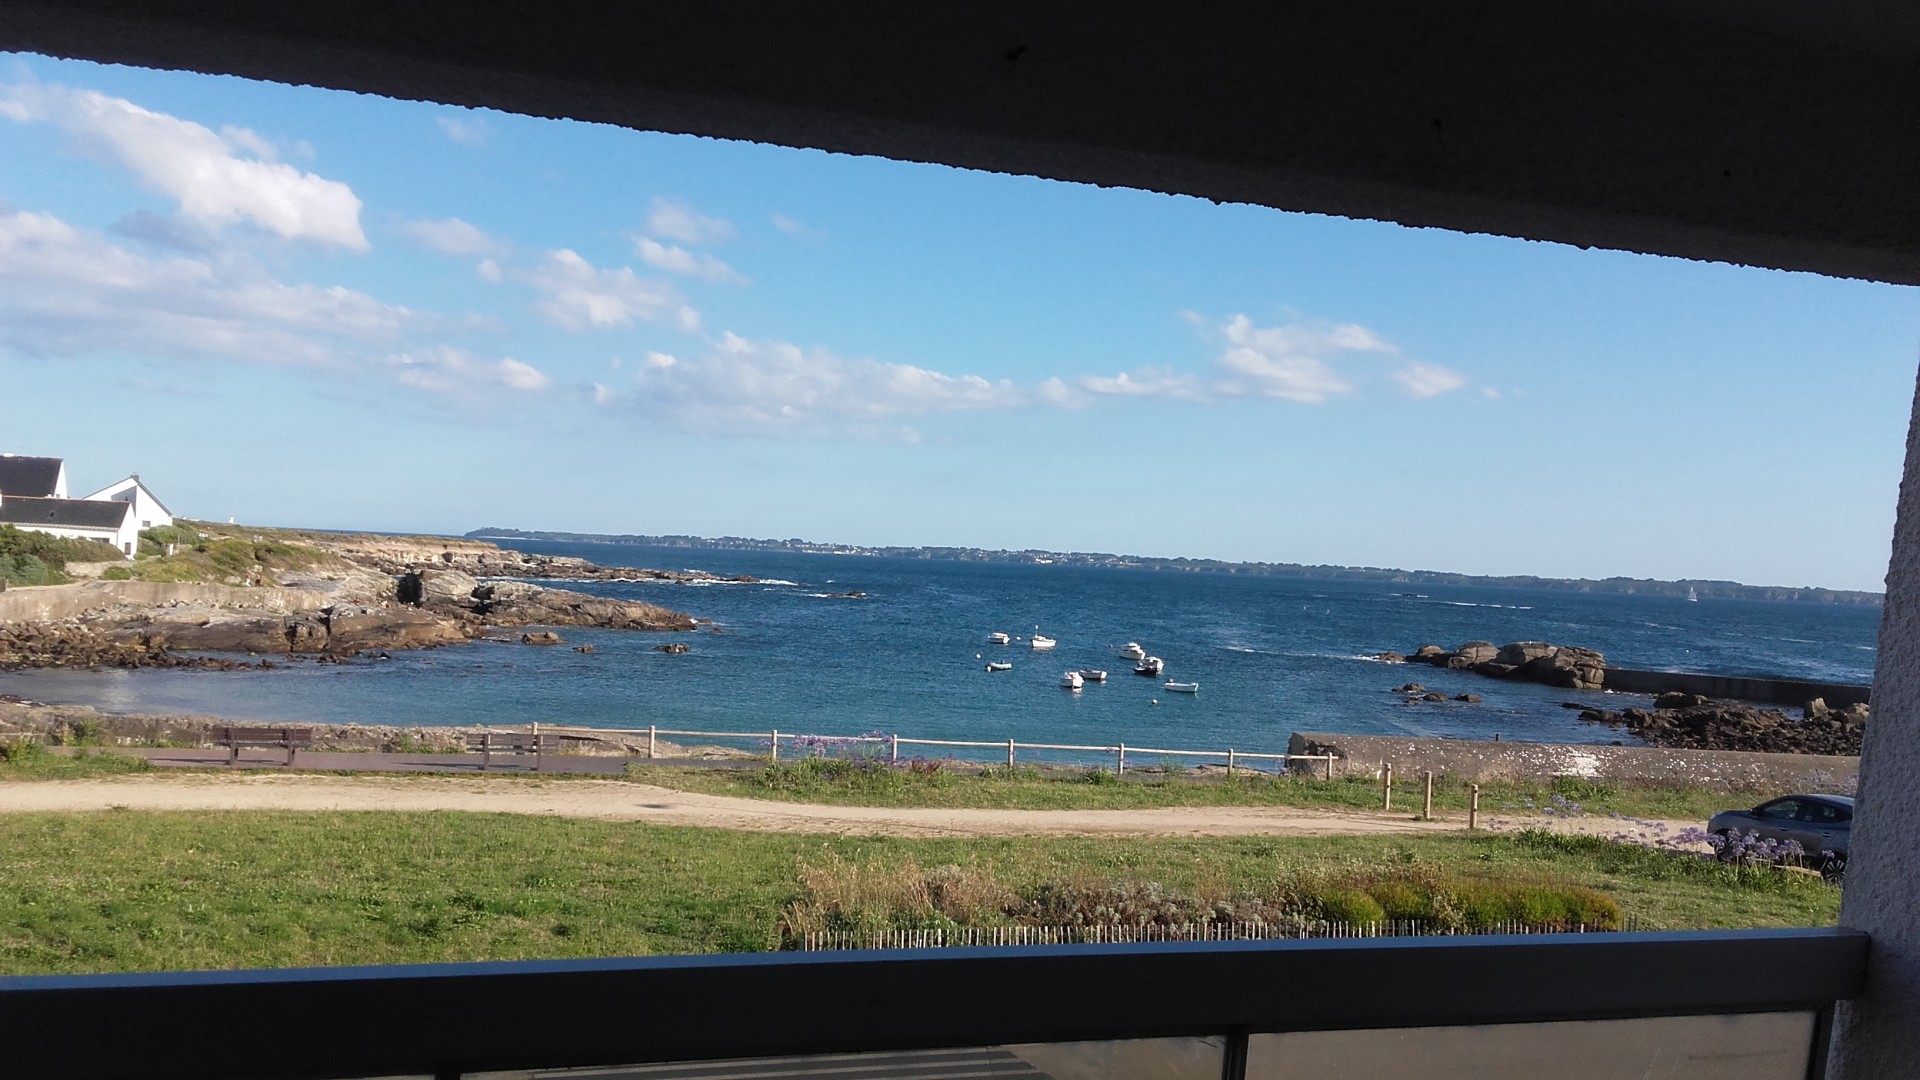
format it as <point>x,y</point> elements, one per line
<point>622,801</point>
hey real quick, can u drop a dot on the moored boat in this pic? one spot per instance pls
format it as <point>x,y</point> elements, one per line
<point>999,665</point>
<point>1072,681</point>
<point>1093,675</point>
<point>1040,642</point>
<point>998,638</point>
<point>1151,667</point>
<point>1180,687</point>
<point>1132,651</point>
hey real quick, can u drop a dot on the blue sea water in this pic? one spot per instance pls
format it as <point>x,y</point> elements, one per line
<point>1272,656</point>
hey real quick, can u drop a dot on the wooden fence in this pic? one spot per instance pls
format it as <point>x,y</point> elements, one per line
<point>976,936</point>
<point>1233,758</point>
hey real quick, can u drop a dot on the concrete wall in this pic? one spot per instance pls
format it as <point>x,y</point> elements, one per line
<point>1792,692</point>
<point>1482,761</point>
<point>43,603</point>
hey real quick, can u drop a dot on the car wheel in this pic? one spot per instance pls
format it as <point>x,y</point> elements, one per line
<point>1835,868</point>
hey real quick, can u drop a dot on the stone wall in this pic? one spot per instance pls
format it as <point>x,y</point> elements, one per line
<point>1482,761</point>
<point>1792,692</point>
<point>48,603</point>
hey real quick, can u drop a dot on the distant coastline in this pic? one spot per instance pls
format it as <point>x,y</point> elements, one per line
<point>1704,589</point>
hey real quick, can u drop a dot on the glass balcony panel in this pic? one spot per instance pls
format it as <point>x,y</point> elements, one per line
<point>1753,1046</point>
<point>1126,1059</point>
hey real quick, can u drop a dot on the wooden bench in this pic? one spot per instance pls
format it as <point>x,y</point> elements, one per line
<point>236,739</point>
<point>490,743</point>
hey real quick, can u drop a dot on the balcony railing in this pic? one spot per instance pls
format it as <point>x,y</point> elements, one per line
<point>1489,1006</point>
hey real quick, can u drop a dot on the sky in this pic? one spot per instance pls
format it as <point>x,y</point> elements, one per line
<point>303,307</point>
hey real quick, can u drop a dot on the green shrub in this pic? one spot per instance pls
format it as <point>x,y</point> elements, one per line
<point>28,570</point>
<point>116,573</point>
<point>1099,776</point>
<point>1401,900</point>
<point>55,551</point>
<point>19,749</point>
<point>1348,905</point>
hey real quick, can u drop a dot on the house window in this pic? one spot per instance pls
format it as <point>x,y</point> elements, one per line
<point>129,548</point>
<point>146,524</point>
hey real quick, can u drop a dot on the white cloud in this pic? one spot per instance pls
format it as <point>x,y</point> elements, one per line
<point>67,292</point>
<point>678,221</point>
<point>678,260</point>
<point>489,271</point>
<point>1288,362</point>
<point>576,295</point>
<point>461,376</point>
<point>1422,380</point>
<point>452,236</point>
<point>1146,382</point>
<point>467,131</point>
<point>778,388</point>
<point>217,178</point>
<point>1309,363</point>
<point>796,227</point>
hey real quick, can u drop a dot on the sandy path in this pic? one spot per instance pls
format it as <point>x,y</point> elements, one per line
<point>622,801</point>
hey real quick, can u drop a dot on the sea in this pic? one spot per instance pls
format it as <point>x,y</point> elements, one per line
<point>1272,655</point>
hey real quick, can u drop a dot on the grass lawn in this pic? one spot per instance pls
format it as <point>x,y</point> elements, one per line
<point>837,782</point>
<point>28,762</point>
<point>124,890</point>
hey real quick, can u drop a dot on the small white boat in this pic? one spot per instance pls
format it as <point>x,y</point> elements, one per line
<point>1692,597</point>
<point>1132,651</point>
<point>1042,643</point>
<point>1151,667</point>
<point>1093,675</point>
<point>1072,681</point>
<point>998,638</point>
<point>999,665</point>
<point>1180,687</point>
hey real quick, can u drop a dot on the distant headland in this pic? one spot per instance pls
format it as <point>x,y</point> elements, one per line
<point>1705,590</point>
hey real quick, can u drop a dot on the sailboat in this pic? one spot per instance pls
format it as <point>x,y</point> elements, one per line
<point>1692,597</point>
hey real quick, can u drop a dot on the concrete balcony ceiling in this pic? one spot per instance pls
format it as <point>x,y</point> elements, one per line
<point>1771,132</point>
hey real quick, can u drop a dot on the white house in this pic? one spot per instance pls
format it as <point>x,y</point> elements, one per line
<point>33,495</point>
<point>148,510</point>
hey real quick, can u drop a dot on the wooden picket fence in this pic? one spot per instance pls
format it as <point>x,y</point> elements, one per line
<point>978,936</point>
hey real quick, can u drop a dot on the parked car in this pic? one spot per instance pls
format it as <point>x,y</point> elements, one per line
<point>1823,825</point>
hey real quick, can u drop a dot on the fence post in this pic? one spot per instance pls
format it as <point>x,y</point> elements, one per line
<point>894,757</point>
<point>1229,761</point>
<point>1120,766</point>
<point>1009,755</point>
<point>1386,785</point>
<point>773,741</point>
<point>1426,810</point>
<point>1329,764</point>
<point>1473,808</point>
<point>653,734</point>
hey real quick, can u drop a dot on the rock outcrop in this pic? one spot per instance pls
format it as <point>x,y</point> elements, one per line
<point>1692,722</point>
<point>1530,661</point>
<point>348,611</point>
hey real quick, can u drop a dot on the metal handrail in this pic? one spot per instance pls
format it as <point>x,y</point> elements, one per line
<point>446,1020</point>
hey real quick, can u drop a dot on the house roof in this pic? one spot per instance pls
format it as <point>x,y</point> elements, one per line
<point>71,513</point>
<point>30,477</point>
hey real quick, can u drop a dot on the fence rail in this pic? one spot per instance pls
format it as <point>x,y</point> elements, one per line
<point>977,936</point>
<point>1234,757</point>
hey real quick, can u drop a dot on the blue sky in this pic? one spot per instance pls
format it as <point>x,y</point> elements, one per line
<point>302,307</point>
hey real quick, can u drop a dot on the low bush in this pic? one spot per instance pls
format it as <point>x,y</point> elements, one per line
<point>54,551</point>
<point>116,573</point>
<point>28,570</point>
<point>842,895</point>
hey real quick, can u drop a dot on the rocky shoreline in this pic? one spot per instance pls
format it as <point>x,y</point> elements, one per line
<point>1566,666</point>
<point>1683,721</point>
<point>370,595</point>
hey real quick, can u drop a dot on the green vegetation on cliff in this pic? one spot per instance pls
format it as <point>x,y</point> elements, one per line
<point>229,560</point>
<point>35,558</point>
